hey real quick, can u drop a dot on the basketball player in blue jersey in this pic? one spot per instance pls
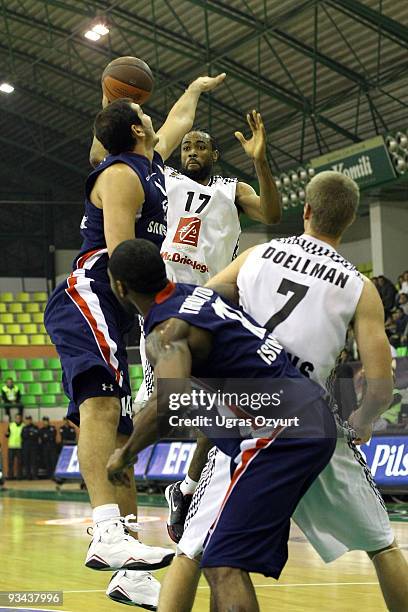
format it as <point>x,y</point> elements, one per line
<point>192,331</point>
<point>125,197</point>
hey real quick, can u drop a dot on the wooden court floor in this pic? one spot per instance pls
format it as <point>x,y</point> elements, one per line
<point>43,544</point>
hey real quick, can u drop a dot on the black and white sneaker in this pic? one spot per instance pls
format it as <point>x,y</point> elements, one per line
<point>178,509</point>
<point>138,589</point>
<point>112,548</point>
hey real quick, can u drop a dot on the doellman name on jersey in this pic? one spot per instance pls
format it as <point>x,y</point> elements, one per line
<point>306,266</point>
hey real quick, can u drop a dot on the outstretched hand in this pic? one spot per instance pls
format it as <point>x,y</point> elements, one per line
<point>207,83</point>
<point>363,429</point>
<point>255,147</point>
<point>117,468</point>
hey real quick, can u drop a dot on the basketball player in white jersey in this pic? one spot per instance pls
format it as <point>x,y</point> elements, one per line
<point>307,294</point>
<point>203,230</point>
<point>203,211</point>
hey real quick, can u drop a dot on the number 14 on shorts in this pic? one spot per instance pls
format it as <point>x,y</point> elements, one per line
<point>126,404</point>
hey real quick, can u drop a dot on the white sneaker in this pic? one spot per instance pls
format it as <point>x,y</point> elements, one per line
<point>134,589</point>
<point>112,548</point>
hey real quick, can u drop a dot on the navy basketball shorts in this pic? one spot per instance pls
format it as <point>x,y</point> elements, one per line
<point>87,324</point>
<point>252,528</point>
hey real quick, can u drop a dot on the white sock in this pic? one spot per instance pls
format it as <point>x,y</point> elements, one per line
<point>188,486</point>
<point>105,513</point>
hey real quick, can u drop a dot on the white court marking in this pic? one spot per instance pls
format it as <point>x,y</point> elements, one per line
<point>307,584</point>
<point>88,521</point>
<point>273,586</point>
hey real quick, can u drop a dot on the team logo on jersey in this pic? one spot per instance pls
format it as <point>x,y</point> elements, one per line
<point>175,174</point>
<point>188,231</point>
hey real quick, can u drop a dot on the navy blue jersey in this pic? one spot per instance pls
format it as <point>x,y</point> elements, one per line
<point>240,349</point>
<point>151,221</point>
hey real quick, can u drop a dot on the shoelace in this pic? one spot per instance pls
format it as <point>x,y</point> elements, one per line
<point>129,523</point>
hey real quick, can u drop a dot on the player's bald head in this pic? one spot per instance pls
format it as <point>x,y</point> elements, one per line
<point>331,203</point>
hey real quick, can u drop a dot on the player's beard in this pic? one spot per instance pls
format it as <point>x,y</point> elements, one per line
<point>198,173</point>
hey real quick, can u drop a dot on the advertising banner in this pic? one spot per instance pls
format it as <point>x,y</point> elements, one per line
<point>368,162</point>
<point>164,461</point>
<point>170,460</point>
<point>68,466</point>
<point>388,460</point>
<point>387,457</point>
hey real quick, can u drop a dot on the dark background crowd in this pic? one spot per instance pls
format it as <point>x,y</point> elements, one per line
<point>395,301</point>
<point>350,380</point>
<point>33,450</point>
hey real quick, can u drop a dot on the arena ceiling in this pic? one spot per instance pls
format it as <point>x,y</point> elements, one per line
<point>324,74</point>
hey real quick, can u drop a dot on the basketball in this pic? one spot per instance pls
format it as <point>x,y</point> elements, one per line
<point>127,77</point>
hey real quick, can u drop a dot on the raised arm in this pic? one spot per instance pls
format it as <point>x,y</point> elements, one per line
<point>181,117</point>
<point>375,355</point>
<point>265,207</point>
<point>167,348</point>
<point>179,120</point>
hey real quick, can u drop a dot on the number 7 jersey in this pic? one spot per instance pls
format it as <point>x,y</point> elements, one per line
<point>202,227</point>
<point>304,292</point>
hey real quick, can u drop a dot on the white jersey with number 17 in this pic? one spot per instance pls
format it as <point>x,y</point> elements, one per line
<point>202,227</point>
<point>306,294</point>
<point>202,237</point>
